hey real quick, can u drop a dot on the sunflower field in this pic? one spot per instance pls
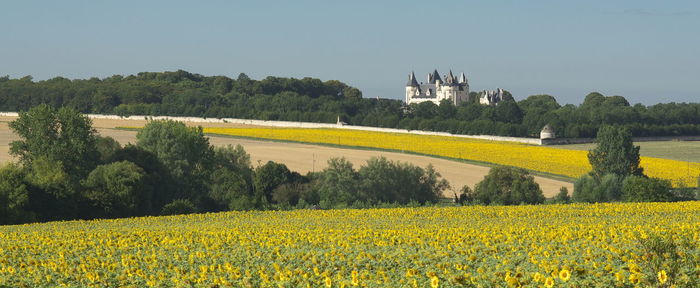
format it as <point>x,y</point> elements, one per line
<point>564,162</point>
<point>576,245</point>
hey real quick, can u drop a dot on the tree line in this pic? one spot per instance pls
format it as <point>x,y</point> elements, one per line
<point>65,170</point>
<point>181,93</point>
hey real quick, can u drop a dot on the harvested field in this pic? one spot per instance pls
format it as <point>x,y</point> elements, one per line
<point>303,157</point>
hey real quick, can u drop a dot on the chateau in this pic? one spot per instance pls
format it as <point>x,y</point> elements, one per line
<point>454,89</point>
<point>436,90</point>
<point>491,97</point>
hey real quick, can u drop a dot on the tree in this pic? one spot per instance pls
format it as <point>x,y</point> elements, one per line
<point>14,196</point>
<point>466,195</point>
<point>607,188</point>
<point>178,207</point>
<point>60,136</point>
<point>615,153</point>
<point>383,180</point>
<point>641,189</point>
<point>52,194</point>
<point>117,190</point>
<point>592,100</point>
<point>290,193</point>
<point>352,93</point>
<point>268,177</point>
<point>232,157</point>
<point>184,151</point>
<point>231,183</point>
<point>508,186</point>
<point>230,190</point>
<point>536,102</point>
<point>107,147</point>
<point>616,101</point>
<point>156,176</point>
<point>509,112</point>
<point>563,196</point>
<point>447,110</point>
<point>337,183</point>
<point>425,110</point>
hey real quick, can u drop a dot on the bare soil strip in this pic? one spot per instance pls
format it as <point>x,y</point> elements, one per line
<point>303,157</point>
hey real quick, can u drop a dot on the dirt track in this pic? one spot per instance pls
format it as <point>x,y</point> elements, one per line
<point>304,157</point>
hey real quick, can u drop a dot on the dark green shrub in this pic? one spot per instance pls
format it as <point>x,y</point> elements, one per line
<point>179,206</point>
<point>508,186</point>
<point>641,189</point>
<point>107,147</point>
<point>466,196</point>
<point>289,193</point>
<point>118,190</point>
<point>590,189</point>
<point>14,196</point>
<point>563,196</point>
<point>383,180</point>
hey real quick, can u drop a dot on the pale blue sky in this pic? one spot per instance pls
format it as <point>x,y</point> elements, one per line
<point>647,51</point>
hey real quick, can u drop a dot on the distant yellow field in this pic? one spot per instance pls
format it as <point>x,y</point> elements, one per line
<point>569,163</point>
<point>576,245</point>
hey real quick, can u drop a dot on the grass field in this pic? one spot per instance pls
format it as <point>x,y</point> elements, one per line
<point>577,245</point>
<point>676,150</point>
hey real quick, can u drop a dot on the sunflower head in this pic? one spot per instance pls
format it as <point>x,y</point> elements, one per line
<point>565,274</point>
<point>549,282</point>
<point>662,276</point>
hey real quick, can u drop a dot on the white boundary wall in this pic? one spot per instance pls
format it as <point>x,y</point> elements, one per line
<point>290,124</point>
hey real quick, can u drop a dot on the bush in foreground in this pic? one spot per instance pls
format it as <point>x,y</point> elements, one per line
<point>595,190</point>
<point>641,189</point>
<point>508,186</point>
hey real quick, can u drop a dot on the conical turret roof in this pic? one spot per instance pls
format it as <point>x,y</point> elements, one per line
<point>462,78</point>
<point>450,78</point>
<point>412,80</point>
<point>435,77</point>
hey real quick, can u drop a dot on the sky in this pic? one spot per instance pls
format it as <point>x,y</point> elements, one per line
<point>646,51</point>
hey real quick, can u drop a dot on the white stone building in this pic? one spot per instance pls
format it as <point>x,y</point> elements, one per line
<point>547,132</point>
<point>436,90</point>
<point>491,97</point>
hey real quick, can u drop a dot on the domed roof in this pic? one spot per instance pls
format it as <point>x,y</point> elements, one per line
<point>547,132</point>
<point>547,128</point>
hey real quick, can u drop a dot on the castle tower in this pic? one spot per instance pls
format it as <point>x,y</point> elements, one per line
<point>412,87</point>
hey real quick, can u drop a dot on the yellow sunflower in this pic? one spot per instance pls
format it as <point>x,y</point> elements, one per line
<point>634,278</point>
<point>549,282</point>
<point>565,274</point>
<point>662,276</point>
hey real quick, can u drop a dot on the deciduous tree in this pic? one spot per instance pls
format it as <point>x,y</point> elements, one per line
<point>615,153</point>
